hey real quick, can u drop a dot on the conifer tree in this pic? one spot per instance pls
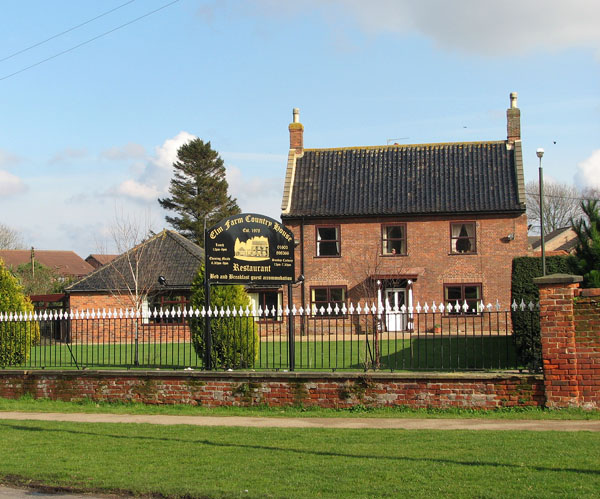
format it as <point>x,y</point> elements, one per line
<point>198,190</point>
<point>586,260</point>
<point>16,337</point>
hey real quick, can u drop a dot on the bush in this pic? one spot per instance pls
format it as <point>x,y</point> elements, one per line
<point>235,341</point>
<point>526,324</point>
<point>16,338</point>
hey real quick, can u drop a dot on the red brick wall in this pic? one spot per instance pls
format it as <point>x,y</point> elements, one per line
<point>332,390</point>
<point>114,329</point>
<point>587,343</point>
<point>570,335</point>
<point>428,248</point>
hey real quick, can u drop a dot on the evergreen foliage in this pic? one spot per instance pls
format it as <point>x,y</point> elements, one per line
<point>526,324</point>
<point>198,190</point>
<point>235,342</point>
<point>42,281</point>
<point>586,260</point>
<point>16,337</point>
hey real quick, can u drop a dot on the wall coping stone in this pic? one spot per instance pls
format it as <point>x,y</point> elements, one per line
<point>290,376</point>
<point>557,279</point>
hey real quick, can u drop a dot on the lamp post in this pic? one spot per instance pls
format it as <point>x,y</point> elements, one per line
<point>540,153</point>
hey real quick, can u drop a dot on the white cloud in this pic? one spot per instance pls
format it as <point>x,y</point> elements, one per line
<point>10,184</point>
<point>588,172</point>
<point>166,154</point>
<point>154,176</point>
<point>136,190</point>
<point>480,27</point>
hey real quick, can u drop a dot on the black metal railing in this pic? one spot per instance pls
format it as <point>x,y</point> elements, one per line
<point>357,340</point>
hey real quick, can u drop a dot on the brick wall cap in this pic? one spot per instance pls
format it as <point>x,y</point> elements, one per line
<point>300,376</point>
<point>557,279</point>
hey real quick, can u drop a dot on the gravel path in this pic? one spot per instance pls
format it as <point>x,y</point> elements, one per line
<point>258,422</point>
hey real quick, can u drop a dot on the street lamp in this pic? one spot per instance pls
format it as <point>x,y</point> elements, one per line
<point>540,153</point>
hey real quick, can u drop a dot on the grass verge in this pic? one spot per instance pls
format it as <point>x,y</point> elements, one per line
<point>29,404</point>
<point>185,461</point>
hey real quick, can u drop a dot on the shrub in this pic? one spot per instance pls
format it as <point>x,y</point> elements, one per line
<point>526,324</point>
<point>16,337</point>
<point>586,259</point>
<point>235,341</point>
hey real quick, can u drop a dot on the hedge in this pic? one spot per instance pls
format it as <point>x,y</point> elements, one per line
<point>526,325</point>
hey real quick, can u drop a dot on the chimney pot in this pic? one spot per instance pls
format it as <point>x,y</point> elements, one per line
<point>513,100</point>
<point>296,113</point>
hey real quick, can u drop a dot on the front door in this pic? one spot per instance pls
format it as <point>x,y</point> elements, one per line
<point>395,320</point>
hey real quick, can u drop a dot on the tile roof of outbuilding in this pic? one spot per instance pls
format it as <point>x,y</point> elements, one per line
<point>166,254</point>
<point>456,178</point>
<point>65,263</point>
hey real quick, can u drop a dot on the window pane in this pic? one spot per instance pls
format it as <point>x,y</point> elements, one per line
<point>319,294</point>
<point>472,293</point>
<point>337,294</point>
<point>328,233</point>
<point>395,232</point>
<point>453,293</point>
<point>328,249</point>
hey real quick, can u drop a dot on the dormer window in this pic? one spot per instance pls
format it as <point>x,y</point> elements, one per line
<point>462,238</point>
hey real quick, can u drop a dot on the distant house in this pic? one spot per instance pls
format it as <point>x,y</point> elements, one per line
<point>96,260</point>
<point>406,224</point>
<point>561,241</point>
<point>65,263</point>
<point>157,273</point>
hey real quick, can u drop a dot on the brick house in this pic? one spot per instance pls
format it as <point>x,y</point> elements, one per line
<point>406,224</point>
<point>162,268</point>
<point>67,264</point>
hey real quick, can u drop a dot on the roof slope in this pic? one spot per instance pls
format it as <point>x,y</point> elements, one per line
<point>66,263</point>
<point>417,179</point>
<point>166,254</point>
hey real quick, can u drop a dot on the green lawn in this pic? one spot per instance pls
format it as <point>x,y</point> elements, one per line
<point>432,353</point>
<point>216,462</point>
<point>28,404</point>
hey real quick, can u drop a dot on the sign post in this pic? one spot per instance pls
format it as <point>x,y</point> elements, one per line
<point>251,249</point>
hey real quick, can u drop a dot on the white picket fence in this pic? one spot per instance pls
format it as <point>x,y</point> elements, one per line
<point>260,313</point>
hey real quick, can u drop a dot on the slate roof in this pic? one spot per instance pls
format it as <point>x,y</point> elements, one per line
<point>65,263</point>
<point>421,179</point>
<point>166,254</point>
<point>565,235</point>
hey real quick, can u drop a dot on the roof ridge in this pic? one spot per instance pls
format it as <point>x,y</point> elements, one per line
<point>397,146</point>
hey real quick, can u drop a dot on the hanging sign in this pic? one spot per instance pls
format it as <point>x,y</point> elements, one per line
<point>250,248</point>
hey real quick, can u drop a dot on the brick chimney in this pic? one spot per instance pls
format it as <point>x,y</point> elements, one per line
<point>296,133</point>
<point>513,120</point>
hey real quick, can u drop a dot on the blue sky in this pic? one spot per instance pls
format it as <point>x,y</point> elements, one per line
<point>91,134</point>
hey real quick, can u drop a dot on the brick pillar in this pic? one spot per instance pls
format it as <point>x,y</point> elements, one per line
<point>513,120</point>
<point>296,133</point>
<point>557,328</point>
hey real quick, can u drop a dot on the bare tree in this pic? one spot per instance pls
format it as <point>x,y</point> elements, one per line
<point>561,205</point>
<point>10,239</point>
<point>133,275</point>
